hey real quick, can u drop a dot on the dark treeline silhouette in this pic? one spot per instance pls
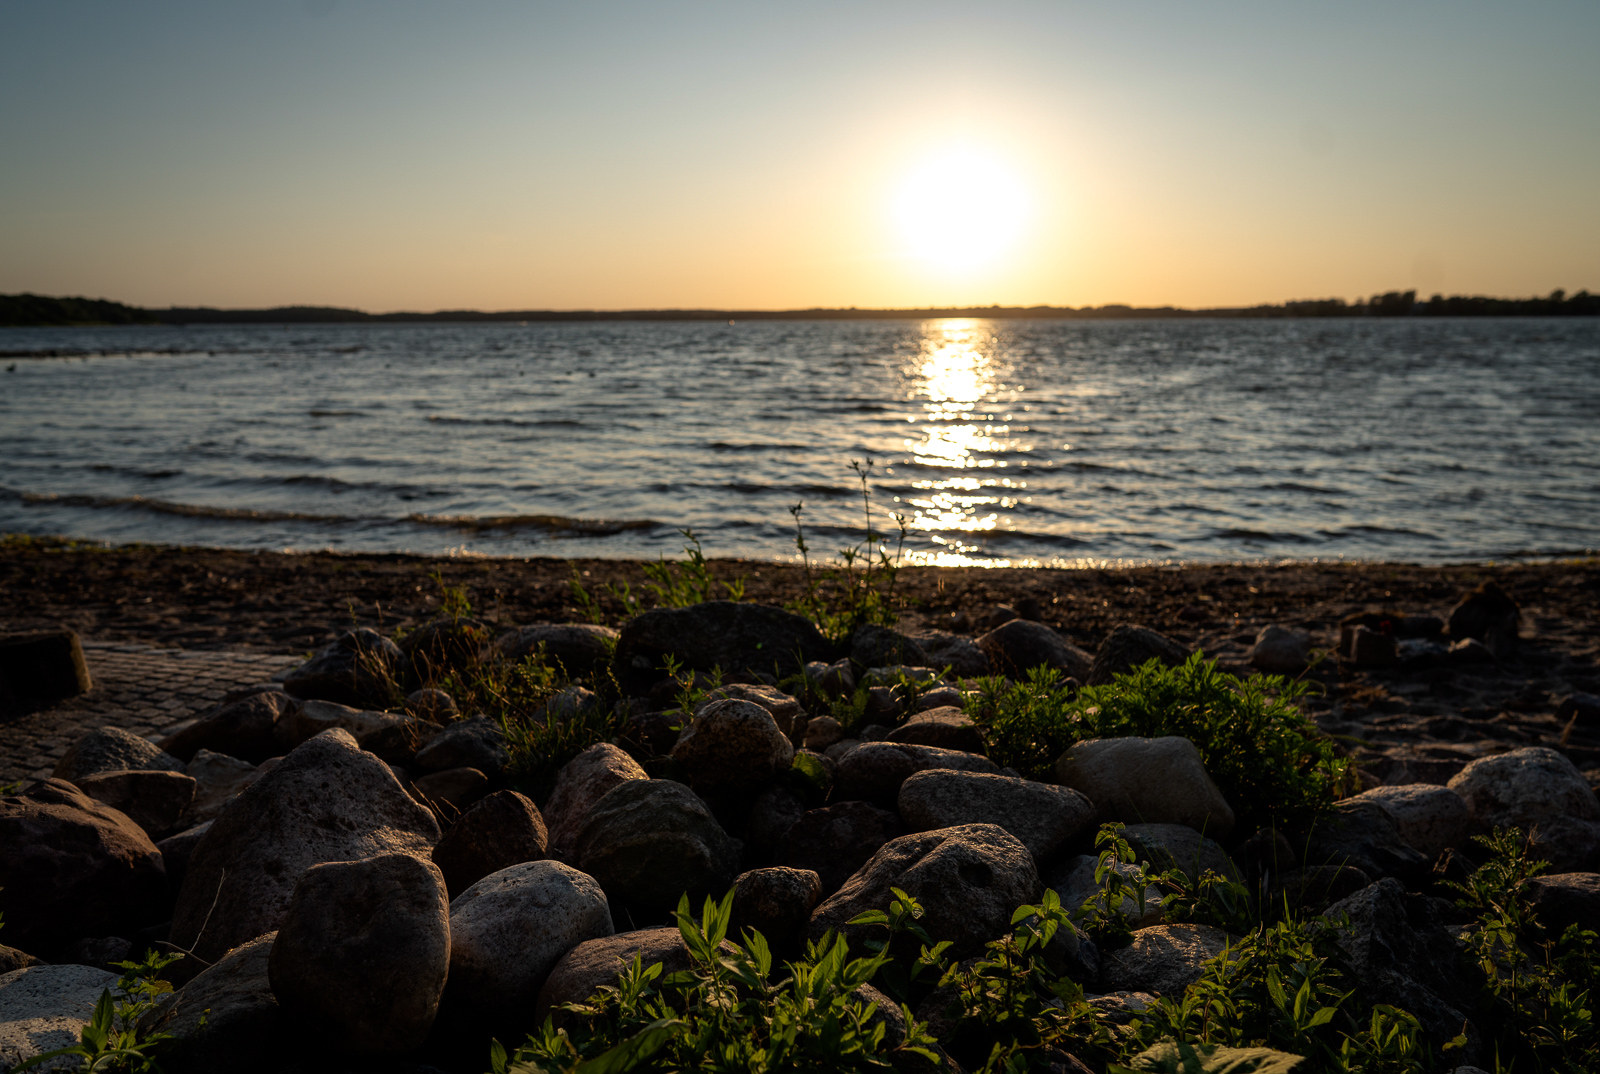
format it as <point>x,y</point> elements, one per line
<point>20,310</point>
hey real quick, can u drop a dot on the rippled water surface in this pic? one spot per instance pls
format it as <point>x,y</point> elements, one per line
<point>999,441</point>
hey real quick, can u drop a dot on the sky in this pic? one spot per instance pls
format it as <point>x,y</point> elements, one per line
<point>390,155</point>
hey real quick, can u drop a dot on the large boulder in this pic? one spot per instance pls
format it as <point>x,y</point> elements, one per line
<point>649,841</point>
<point>1147,780</point>
<point>874,646</point>
<point>226,1018</point>
<point>776,902</point>
<point>476,742</point>
<point>112,749</point>
<point>500,831</point>
<point>1281,650</point>
<point>1364,835</point>
<point>1162,959</point>
<point>732,636</point>
<point>730,747</point>
<point>969,879</point>
<point>1538,789</point>
<point>435,649</point>
<point>595,963</point>
<point>219,779</point>
<point>1175,846</point>
<point>578,649</point>
<point>326,801</point>
<point>786,711</point>
<point>1562,900</point>
<point>837,840</point>
<point>43,1008</point>
<point>1073,879</point>
<point>1043,817</point>
<point>1129,647</point>
<point>71,866</point>
<point>1016,646</point>
<point>363,951</point>
<point>243,727</point>
<point>361,668</point>
<point>508,931</point>
<point>306,719</point>
<point>964,657</point>
<point>944,726</point>
<point>873,771</point>
<point>1490,615</point>
<point>40,668</point>
<point>581,783</point>
<point>1431,818</point>
<point>152,799</point>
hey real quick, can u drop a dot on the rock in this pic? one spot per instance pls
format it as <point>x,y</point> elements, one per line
<point>1175,846</point>
<point>822,732</point>
<point>305,719</point>
<point>1016,646</point>
<point>733,636</point>
<point>362,953</point>
<point>1398,951</point>
<point>1539,789</point>
<point>1363,834</point>
<point>502,830</point>
<point>1469,652</point>
<point>649,841</point>
<point>111,749</point>
<point>577,649</point>
<point>472,743</point>
<point>326,801</point>
<point>964,657</point>
<point>1163,959</point>
<point>101,952</point>
<point>776,902</point>
<point>43,1008</point>
<point>510,929</point>
<point>361,668</point>
<point>39,669</point>
<point>1431,818</point>
<point>731,747</point>
<point>1073,880</point>
<point>939,697</point>
<point>1561,900</point>
<point>1316,887</point>
<point>244,727</point>
<point>831,680</point>
<point>1122,1007</point>
<point>225,1019</point>
<point>968,879</point>
<point>874,646</point>
<point>176,850</point>
<point>593,964</point>
<point>1130,647</point>
<point>453,788</point>
<point>13,959</point>
<point>945,727</point>
<point>435,649</point>
<point>1582,710</point>
<point>1147,780</point>
<point>431,704</point>
<point>1489,614</point>
<point>653,734</point>
<point>891,676</point>
<point>785,710</point>
<point>1042,817</point>
<point>1281,650</point>
<point>1367,648</point>
<point>571,703</point>
<point>219,779</point>
<point>152,799</point>
<point>71,866</point>
<point>836,841</point>
<point>874,771</point>
<point>581,783</point>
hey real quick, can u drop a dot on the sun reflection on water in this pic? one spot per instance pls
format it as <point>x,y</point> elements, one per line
<point>963,427</point>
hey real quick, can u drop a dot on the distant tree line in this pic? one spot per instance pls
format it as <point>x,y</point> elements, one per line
<point>19,310</point>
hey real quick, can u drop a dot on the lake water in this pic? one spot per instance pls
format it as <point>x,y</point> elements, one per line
<point>1000,442</point>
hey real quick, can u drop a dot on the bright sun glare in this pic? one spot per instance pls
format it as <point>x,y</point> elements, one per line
<point>961,209</point>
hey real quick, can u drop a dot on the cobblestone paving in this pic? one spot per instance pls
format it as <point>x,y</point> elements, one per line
<point>150,692</point>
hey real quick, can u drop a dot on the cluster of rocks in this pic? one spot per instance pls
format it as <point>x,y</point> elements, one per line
<point>352,877</point>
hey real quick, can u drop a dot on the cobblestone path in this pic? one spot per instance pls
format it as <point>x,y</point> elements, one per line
<point>147,691</point>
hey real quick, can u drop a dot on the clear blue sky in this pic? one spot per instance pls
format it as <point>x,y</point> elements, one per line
<point>511,155</point>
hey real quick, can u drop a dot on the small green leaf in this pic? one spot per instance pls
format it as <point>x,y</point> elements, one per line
<point>1174,1057</point>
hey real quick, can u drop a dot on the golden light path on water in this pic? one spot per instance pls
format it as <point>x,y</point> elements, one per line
<point>964,432</point>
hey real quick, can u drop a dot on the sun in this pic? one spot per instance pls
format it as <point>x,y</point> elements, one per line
<point>961,209</point>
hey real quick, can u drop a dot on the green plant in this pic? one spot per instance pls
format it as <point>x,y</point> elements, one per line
<point>454,603</point>
<point>112,1039</point>
<point>670,585</point>
<point>1541,985</point>
<point>1269,760</point>
<point>861,590</point>
<point>734,1009</point>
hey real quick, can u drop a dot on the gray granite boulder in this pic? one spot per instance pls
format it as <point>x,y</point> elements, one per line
<point>1043,817</point>
<point>326,801</point>
<point>969,879</point>
<point>1128,647</point>
<point>43,1008</point>
<point>836,840</point>
<point>218,780</point>
<point>784,709</point>
<point>731,746</point>
<point>733,636</point>
<point>1176,846</point>
<point>1431,818</point>
<point>1535,788</point>
<point>360,668</point>
<point>243,727</point>
<point>71,866</point>
<point>873,771</point>
<point>1073,879</point>
<point>578,649</point>
<point>581,783</point>
<point>112,749</point>
<point>362,953</point>
<point>649,841</point>
<point>500,831</point>
<point>1162,960</point>
<point>510,929</point>
<point>946,727</point>
<point>1281,650</point>
<point>1147,780</point>
<point>152,799</point>
<point>598,962</point>
<point>226,1018</point>
<point>964,657</point>
<point>776,902</point>
<point>476,742</point>
<point>1016,646</point>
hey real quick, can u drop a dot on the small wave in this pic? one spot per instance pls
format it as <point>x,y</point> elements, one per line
<point>134,471</point>
<point>1245,534</point>
<point>555,524</point>
<point>185,510</point>
<point>319,413</point>
<point>722,445</point>
<point>515,423</point>
<point>1369,530</point>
